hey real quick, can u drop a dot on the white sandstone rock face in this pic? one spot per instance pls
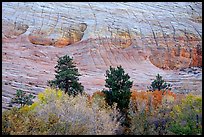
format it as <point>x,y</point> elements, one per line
<point>145,38</point>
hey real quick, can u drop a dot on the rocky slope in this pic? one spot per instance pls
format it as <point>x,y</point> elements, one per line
<point>145,38</point>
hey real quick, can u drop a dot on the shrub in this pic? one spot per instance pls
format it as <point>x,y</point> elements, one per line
<point>149,112</point>
<point>67,76</point>
<point>164,113</point>
<point>140,123</point>
<point>56,113</point>
<point>159,84</point>
<point>77,116</point>
<point>18,122</point>
<point>187,116</point>
<point>22,99</point>
<point>98,98</point>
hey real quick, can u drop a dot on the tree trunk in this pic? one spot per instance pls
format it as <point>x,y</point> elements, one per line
<point>66,88</point>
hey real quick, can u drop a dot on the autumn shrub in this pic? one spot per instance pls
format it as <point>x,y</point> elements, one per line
<point>81,118</point>
<point>165,113</point>
<point>139,100</point>
<point>18,122</point>
<point>149,112</point>
<point>56,113</point>
<point>98,98</point>
<point>187,116</point>
<point>144,100</point>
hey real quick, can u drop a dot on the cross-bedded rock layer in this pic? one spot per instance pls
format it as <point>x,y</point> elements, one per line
<point>145,38</point>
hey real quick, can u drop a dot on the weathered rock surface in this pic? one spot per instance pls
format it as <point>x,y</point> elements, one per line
<point>145,38</point>
<point>13,29</point>
<point>58,38</point>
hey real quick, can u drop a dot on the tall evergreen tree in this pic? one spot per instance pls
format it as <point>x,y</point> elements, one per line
<point>67,76</point>
<point>119,87</point>
<point>119,92</point>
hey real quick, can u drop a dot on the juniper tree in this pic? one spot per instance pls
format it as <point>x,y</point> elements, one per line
<point>66,77</point>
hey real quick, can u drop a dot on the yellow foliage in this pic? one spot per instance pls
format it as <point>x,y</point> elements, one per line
<point>177,108</point>
<point>34,105</point>
<point>59,93</point>
<point>58,113</point>
<point>25,108</point>
<point>48,93</point>
<point>171,114</point>
<point>41,97</point>
<point>28,108</point>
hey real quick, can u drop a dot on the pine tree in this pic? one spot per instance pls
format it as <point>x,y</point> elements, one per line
<point>119,87</point>
<point>159,84</point>
<point>67,76</point>
<point>21,98</point>
<point>119,92</point>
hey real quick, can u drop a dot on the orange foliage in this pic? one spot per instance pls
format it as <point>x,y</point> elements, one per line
<point>139,98</point>
<point>168,92</point>
<point>156,97</point>
<point>98,93</point>
<point>89,99</point>
<point>139,95</point>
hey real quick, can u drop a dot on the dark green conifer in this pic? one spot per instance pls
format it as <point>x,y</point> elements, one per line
<point>159,84</point>
<point>67,76</point>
